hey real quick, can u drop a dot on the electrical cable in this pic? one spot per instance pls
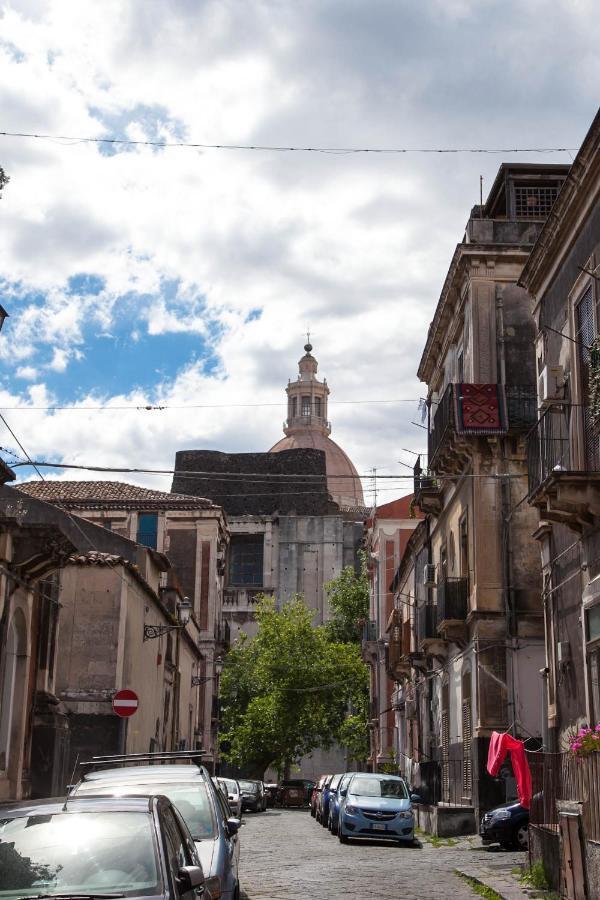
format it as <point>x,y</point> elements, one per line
<point>161,407</point>
<point>280,148</point>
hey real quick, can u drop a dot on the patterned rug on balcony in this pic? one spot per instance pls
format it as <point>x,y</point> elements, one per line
<point>480,409</point>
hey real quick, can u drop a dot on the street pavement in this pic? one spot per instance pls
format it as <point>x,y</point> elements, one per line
<point>286,855</point>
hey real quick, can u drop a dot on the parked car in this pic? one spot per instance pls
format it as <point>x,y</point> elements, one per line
<point>507,825</point>
<point>271,793</point>
<point>376,806</point>
<point>253,795</point>
<point>297,790</point>
<point>315,795</point>
<point>95,846</point>
<point>335,799</point>
<point>321,787</point>
<point>231,790</point>
<point>189,787</point>
<point>328,789</point>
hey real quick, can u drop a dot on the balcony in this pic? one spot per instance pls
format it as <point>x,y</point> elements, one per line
<point>398,650</point>
<point>452,609</point>
<point>427,490</point>
<point>242,599</point>
<point>563,455</point>
<point>369,641</point>
<point>488,410</point>
<point>428,640</point>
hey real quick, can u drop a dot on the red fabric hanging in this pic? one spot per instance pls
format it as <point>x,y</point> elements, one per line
<point>500,745</point>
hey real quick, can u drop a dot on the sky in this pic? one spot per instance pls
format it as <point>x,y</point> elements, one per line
<point>185,277</point>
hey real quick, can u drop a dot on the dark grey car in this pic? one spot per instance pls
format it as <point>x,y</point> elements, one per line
<point>98,847</point>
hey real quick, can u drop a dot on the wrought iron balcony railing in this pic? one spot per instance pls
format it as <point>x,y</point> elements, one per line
<point>549,446</point>
<point>426,623</point>
<point>521,413</point>
<point>452,599</point>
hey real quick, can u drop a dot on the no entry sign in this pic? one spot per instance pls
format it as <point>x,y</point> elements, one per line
<point>125,703</point>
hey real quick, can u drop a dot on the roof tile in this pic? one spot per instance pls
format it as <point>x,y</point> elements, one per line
<point>90,494</point>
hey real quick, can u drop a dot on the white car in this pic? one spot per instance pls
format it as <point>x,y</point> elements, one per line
<point>231,789</point>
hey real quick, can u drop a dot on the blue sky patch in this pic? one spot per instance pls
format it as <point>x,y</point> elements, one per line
<point>155,121</point>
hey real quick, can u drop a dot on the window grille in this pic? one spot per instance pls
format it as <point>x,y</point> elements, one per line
<point>305,406</point>
<point>467,762</point>
<point>246,560</point>
<point>534,202</point>
<point>318,406</point>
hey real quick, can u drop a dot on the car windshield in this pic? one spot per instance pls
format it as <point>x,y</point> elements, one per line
<point>249,786</point>
<point>334,782</point>
<point>378,787</point>
<point>191,800</point>
<point>89,852</point>
<point>230,785</point>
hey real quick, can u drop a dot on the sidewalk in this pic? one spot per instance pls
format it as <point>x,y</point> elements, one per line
<point>491,867</point>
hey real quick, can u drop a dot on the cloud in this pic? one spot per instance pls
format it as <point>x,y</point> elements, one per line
<point>189,276</point>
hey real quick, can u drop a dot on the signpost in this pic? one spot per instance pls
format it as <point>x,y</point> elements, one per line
<point>125,703</point>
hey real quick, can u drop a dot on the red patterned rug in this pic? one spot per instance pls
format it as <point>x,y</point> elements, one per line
<point>480,409</point>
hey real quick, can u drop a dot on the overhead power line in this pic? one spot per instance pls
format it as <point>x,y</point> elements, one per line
<point>106,407</point>
<point>276,148</point>
<point>257,477</point>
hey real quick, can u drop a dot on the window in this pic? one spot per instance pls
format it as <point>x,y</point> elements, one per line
<point>294,407</point>
<point>318,407</point>
<point>246,559</point>
<point>305,406</point>
<point>585,334</point>
<point>147,533</point>
<point>534,201</point>
<point>464,546</point>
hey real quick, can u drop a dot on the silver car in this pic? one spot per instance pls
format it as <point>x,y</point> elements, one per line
<point>231,789</point>
<point>190,789</point>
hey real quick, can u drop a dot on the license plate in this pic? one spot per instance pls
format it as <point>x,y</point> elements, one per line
<point>378,826</point>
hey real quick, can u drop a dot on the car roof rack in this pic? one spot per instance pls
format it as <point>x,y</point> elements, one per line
<point>159,757</point>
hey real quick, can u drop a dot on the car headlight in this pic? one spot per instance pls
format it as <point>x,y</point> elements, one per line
<point>405,815</point>
<point>213,886</point>
<point>500,814</point>
<point>351,810</point>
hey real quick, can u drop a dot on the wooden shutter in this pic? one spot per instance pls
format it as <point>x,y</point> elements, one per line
<point>467,728</point>
<point>445,755</point>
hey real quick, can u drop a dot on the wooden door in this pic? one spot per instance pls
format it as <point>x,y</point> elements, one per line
<point>572,857</point>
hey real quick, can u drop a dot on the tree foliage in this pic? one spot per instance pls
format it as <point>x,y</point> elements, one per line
<point>288,690</point>
<point>348,596</point>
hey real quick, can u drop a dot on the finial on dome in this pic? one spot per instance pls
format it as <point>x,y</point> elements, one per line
<point>308,345</point>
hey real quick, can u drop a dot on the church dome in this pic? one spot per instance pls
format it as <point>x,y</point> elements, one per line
<point>307,427</point>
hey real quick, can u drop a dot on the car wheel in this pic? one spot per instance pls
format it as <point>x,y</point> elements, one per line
<point>522,837</point>
<point>342,837</point>
<point>312,812</point>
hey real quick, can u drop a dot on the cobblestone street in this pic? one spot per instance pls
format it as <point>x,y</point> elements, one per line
<point>286,855</point>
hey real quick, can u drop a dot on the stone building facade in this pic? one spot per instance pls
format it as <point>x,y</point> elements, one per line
<point>387,532</point>
<point>476,639</point>
<point>562,275</point>
<point>192,533</point>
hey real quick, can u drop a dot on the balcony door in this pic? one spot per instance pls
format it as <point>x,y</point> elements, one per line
<point>586,334</point>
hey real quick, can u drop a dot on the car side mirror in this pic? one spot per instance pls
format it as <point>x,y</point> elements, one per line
<point>343,793</point>
<point>415,798</point>
<point>190,878</point>
<point>233,826</point>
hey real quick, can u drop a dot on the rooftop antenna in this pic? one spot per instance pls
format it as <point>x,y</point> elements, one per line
<point>481,196</point>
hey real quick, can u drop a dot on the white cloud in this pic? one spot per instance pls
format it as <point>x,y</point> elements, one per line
<point>357,246</point>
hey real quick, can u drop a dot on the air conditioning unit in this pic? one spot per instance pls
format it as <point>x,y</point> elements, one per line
<point>429,575</point>
<point>550,385</point>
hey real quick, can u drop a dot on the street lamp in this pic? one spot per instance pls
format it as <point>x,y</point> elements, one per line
<point>197,680</point>
<point>184,611</point>
<point>3,315</point>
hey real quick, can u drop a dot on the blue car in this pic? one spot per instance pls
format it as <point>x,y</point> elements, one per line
<point>376,806</point>
<point>328,792</point>
<point>335,800</point>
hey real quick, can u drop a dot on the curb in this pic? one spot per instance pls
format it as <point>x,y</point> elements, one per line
<point>499,885</point>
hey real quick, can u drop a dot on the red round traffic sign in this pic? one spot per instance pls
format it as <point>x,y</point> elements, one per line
<point>125,703</point>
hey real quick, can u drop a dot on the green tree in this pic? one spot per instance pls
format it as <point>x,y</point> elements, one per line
<point>288,690</point>
<point>348,596</point>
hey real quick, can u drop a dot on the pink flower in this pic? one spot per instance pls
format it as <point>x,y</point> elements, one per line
<point>598,727</point>
<point>576,746</point>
